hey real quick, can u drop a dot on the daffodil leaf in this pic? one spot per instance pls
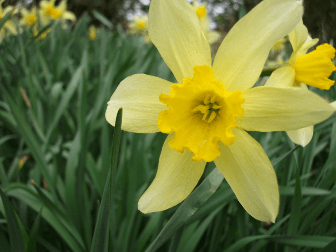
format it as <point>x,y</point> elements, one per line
<point>188,208</point>
<point>101,233</point>
<point>279,159</point>
<point>296,207</point>
<point>15,236</point>
<point>102,19</point>
<point>4,19</point>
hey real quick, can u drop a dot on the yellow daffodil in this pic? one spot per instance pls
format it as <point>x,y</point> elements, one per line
<point>312,69</point>
<point>9,27</point>
<point>202,14</point>
<point>53,12</point>
<point>29,17</point>
<point>139,25</point>
<point>92,32</point>
<point>207,112</point>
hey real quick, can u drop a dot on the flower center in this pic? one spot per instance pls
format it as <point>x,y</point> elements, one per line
<point>208,108</point>
<point>315,67</point>
<point>141,24</point>
<point>53,12</point>
<point>200,113</point>
<point>31,19</point>
<point>201,12</point>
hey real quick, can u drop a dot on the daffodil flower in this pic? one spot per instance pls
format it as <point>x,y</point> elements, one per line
<point>305,69</point>
<point>139,25</point>
<point>29,17</point>
<point>48,9</point>
<point>9,27</point>
<point>202,13</point>
<point>207,112</point>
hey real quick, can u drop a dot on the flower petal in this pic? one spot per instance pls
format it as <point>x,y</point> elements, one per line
<point>138,95</point>
<point>301,136</point>
<point>282,77</point>
<point>243,52</point>
<point>280,109</point>
<point>298,36</point>
<point>175,179</point>
<point>175,30</point>
<point>68,15</point>
<point>247,169</point>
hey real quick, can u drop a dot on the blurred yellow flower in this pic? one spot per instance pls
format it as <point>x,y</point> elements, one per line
<point>29,17</point>
<point>304,69</point>
<point>212,105</point>
<point>92,32</point>
<point>202,13</point>
<point>48,9</point>
<point>9,27</point>
<point>139,25</point>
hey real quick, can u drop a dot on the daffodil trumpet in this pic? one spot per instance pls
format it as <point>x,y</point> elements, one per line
<point>304,69</point>
<point>207,111</point>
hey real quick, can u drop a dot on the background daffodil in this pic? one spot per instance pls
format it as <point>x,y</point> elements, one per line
<point>139,25</point>
<point>208,122</point>
<point>48,9</point>
<point>305,69</point>
<point>9,27</point>
<point>202,13</point>
<point>29,17</point>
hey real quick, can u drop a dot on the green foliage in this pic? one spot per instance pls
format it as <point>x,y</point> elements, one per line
<point>53,99</point>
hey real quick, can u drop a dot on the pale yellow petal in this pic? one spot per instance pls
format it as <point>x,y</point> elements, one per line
<point>175,179</point>
<point>44,4</point>
<point>68,15</point>
<point>333,104</point>
<point>138,95</point>
<point>62,6</point>
<point>281,109</point>
<point>282,77</point>
<point>175,30</point>
<point>298,36</point>
<point>301,136</point>
<point>212,37</point>
<point>247,169</point>
<point>243,52</point>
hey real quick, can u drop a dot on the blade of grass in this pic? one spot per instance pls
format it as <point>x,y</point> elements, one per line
<point>15,236</point>
<point>101,232</point>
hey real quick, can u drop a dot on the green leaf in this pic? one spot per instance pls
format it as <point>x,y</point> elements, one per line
<point>102,19</point>
<point>16,240</point>
<point>34,233</point>
<point>312,241</point>
<point>4,19</point>
<point>296,207</point>
<point>188,208</point>
<point>101,232</point>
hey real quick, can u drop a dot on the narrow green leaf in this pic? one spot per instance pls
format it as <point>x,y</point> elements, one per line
<point>279,159</point>
<point>16,240</point>
<point>188,208</point>
<point>313,241</point>
<point>5,18</point>
<point>330,247</point>
<point>34,233</point>
<point>102,19</point>
<point>63,104</point>
<point>101,232</point>
<point>296,207</point>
